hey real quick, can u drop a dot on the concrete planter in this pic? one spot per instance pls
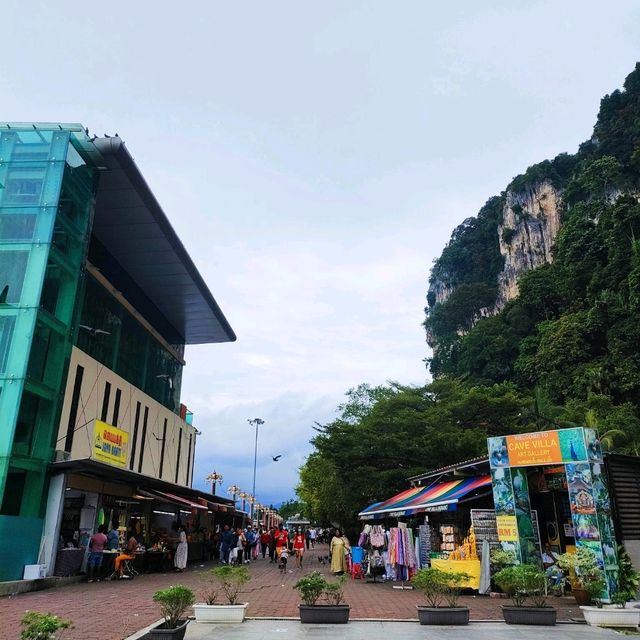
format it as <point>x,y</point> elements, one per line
<point>443,615</point>
<point>324,614</point>
<point>208,613</point>
<point>160,633</point>
<point>530,615</point>
<point>611,616</point>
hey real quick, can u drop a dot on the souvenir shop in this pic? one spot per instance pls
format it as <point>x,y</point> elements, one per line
<point>429,525</point>
<point>550,487</point>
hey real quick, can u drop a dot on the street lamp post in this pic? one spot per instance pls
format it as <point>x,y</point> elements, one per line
<point>256,422</point>
<point>213,478</point>
<point>234,489</point>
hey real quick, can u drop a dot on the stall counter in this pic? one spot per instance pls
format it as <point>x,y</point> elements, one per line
<point>472,567</point>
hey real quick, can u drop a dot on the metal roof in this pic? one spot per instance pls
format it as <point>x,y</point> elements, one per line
<point>130,223</point>
<point>473,463</point>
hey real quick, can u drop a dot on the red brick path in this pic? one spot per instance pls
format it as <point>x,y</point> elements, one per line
<point>114,610</point>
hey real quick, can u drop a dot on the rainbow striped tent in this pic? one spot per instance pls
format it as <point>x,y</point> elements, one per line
<point>441,496</point>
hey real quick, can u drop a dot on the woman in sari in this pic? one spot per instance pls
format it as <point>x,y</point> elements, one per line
<point>339,548</point>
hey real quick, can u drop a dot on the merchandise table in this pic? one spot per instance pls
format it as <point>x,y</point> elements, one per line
<point>472,567</point>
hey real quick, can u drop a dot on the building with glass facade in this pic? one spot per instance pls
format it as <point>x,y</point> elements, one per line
<point>98,298</point>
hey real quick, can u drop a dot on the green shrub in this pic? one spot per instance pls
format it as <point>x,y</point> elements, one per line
<point>174,602</point>
<point>521,582</point>
<point>229,579</point>
<point>334,591</point>
<point>439,586</point>
<point>311,587</point>
<point>42,626</point>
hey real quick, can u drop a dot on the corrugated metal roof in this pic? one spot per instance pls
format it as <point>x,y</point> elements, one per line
<point>130,223</point>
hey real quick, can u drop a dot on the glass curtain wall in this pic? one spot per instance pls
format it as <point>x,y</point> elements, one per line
<point>47,194</point>
<point>111,335</point>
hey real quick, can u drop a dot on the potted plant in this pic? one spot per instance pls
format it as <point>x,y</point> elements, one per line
<point>617,614</point>
<point>441,590</point>
<point>225,583</point>
<point>312,588</point>
<point>522,582</point>
<point>41,626</point>
<point>580,569</point>
<point>174,603</point>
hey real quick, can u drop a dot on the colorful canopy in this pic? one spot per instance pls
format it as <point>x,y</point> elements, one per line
<point>436,497</point>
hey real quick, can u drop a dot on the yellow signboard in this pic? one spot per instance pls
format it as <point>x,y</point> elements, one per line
<point>110,444</point>
<point>507,528</point>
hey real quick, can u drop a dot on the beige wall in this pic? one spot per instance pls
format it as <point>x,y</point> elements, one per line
<point>90,405</point>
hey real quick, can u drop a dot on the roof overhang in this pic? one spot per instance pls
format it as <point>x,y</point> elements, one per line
<point>131,225</point>
<point>440,496</point>
<point>145,484</point>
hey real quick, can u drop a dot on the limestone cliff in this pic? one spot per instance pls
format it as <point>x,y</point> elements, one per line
<point>530,224</point>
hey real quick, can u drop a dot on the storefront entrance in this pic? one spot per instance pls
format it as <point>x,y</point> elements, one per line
<point>558,475</point>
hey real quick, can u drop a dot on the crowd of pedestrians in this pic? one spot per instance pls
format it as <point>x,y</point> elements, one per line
<point>242,546</point>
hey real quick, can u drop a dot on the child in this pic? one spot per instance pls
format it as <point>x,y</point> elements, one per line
<point>282,560</point>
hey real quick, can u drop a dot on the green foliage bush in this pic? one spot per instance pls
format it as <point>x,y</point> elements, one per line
<point>311,587</point>
<point>523,581</point>
<point>439,586</point>
<point>229,580</point>
<point>174,602</point>
<point>42,626</point>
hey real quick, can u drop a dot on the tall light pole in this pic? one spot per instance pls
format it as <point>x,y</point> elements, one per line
<point>214,477</point>
<point>256,422</point>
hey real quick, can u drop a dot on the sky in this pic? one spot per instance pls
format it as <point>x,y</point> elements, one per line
<point>314,158</point>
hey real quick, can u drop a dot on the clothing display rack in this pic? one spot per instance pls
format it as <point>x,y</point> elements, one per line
<point>402,554</point>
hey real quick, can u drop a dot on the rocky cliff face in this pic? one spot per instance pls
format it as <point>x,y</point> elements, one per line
<point>530,224</point>
<point>527,232</point>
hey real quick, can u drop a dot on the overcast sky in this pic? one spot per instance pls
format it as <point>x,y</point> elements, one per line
<point>314,158</point>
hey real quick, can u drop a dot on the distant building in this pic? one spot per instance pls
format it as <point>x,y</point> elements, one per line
<point>98,298</point>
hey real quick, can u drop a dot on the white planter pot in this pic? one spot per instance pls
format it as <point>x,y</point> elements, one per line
<point>220,612</point>
<point>611,617</point>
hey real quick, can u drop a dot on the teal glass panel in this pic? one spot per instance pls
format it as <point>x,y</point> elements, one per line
<point>24,546</point>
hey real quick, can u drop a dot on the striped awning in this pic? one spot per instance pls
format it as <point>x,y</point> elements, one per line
<point>441,496</point>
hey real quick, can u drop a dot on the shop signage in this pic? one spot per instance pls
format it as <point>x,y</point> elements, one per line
<point>507,528</point>
<point>110,444</point>
<point>539,448</point>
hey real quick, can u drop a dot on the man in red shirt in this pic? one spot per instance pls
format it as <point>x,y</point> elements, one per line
<point>282,540</point>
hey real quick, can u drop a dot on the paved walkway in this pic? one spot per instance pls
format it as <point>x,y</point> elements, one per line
<point>115,610</point>
<point>288,630</point>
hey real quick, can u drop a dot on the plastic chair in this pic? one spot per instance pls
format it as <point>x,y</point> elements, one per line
<point>129,569</point>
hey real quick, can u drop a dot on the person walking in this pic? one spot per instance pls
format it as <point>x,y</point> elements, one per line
<point>339,548</point>
<point>265,540</point>
<point>226,544</point>
<point>312,537</point>
<point>272,545</point>
<point>306,537</point>
<point>182,550</point>
<point>241,544</point>
<point>282,539</point>
<point>298,547</point>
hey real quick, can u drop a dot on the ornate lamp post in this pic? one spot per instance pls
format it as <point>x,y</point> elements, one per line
<point>256,422</point>
<point>214,477</point>
<point>234,490</point>
<point>243,495</point>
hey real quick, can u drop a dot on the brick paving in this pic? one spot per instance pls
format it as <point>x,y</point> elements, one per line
<point>115,610</point>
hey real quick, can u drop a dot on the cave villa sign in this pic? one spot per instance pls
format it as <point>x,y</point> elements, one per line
<point>110,444</point>
<point>543,447</point>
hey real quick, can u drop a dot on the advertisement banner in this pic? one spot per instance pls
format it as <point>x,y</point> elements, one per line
<point>539,448</point>
<point>110,444</point>
<point>507,528</point>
